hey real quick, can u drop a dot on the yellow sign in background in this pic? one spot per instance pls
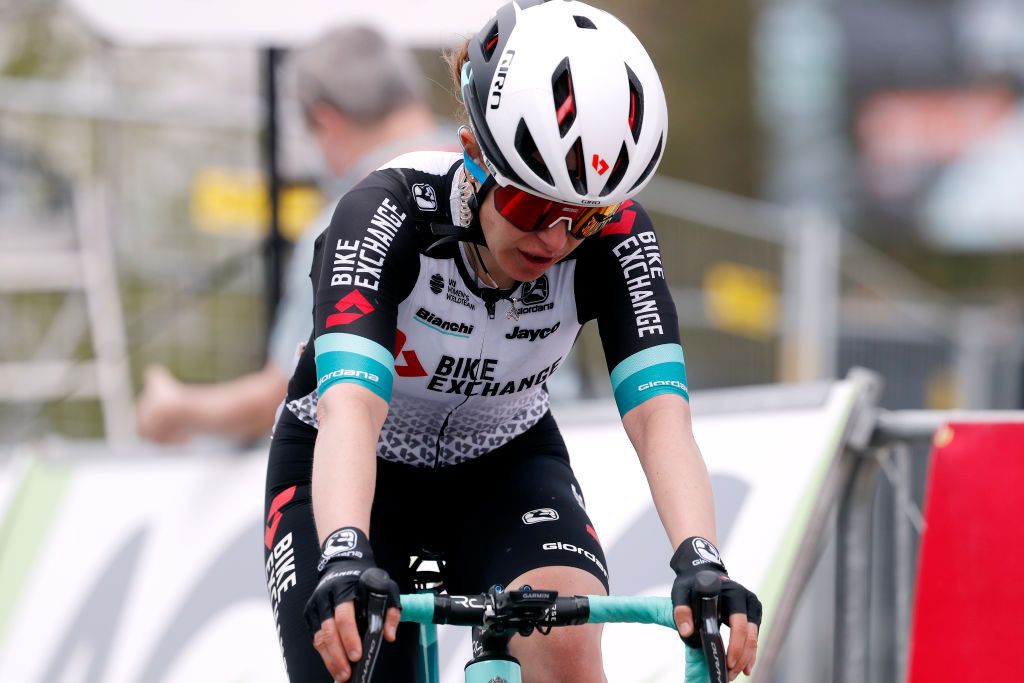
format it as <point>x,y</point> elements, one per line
<point>235,201</point>
<point>741,299</point>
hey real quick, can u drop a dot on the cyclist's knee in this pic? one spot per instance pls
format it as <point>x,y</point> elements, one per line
<point>570,655</point>
<point>565,580</point>
<point>566,654</point>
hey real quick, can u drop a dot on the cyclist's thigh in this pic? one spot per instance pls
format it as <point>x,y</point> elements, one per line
<point>525,511</point>
<point>291,553</point>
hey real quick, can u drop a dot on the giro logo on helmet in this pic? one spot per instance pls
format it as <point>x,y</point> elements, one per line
<point>499,79</point>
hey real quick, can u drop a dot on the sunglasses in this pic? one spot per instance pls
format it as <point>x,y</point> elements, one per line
<point>528,212</point>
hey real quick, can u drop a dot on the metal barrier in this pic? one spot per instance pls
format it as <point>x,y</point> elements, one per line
<point>887,456</point>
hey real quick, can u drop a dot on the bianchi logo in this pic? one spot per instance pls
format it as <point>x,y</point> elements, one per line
<point>425,197</point>
<point>497,679</point>
<point>706,551</point>
<point>540,515</point>
<point>425,317</point>
<point>436,283</point>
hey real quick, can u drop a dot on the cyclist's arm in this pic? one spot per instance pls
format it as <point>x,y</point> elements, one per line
<point>345,457</point>
<point>364,265</point>
<point>622,284</point>
<point>660,429</point>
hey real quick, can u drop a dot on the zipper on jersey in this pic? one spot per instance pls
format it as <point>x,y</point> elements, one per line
<point>440,438</point>
<point>489,302</point>
<point>491,297</point>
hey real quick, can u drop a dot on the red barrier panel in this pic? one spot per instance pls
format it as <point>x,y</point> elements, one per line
<point>968,622</point>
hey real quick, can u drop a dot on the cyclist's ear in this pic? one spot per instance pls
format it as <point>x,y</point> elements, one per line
<point>469,144</point>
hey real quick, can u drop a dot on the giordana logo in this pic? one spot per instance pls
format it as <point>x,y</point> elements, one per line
<point>456,329</point>
<point>662,383</point>
<point>436,283</point>
<point>535,297</point>
<point>540,515</point>
<point>339,542</point>
<point>535,292</point>
<point>347,373</point>
<point>351,307</point>
<point>425,197</point>
<point>571,548</point>
<point>706,551</point>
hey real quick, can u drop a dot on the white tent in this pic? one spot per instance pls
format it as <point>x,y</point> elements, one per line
<point>275,23</point>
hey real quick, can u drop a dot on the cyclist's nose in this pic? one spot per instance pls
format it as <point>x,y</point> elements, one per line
<point>554,237</point>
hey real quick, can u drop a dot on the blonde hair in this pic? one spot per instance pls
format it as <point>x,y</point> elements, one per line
<point>455,58</point>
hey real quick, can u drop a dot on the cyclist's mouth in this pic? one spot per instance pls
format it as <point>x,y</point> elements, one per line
<point>538,261</point>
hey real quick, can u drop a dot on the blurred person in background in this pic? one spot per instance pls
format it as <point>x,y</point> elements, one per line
<point>362,99</point>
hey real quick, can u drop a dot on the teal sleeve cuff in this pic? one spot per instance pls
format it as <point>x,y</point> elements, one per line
<point>350,358</point>
<point>649,373</point>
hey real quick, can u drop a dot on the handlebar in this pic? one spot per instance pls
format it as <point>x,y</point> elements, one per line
<point>472,610</point>
<point>526,610</point>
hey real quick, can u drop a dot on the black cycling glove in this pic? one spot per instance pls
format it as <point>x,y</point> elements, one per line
<point>697,554</point>
<point>345,555</point>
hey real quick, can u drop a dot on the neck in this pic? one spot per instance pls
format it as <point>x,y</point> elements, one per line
<point>486,268</point>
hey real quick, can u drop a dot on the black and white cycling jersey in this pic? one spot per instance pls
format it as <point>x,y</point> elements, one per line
<point>463,367</point>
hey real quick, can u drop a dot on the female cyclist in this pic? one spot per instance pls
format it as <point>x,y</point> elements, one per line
<point>448,289</point>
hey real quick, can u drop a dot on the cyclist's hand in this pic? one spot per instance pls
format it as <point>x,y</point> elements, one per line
<point>330,611</point>
<point>738,607</point>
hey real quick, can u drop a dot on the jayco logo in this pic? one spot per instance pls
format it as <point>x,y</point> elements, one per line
<point>532,335</point>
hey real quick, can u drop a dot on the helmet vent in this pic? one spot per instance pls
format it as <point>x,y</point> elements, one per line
<point>636,104</point>
<point>527,149</point>
<point>490,42</point>
<point>565,103</point>
<point>650,164</point>
<point>583,22</point>
<point>618,171</point>
<point>575,166</point>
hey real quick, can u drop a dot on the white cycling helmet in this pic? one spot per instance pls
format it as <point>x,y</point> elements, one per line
<point>565,102</point>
